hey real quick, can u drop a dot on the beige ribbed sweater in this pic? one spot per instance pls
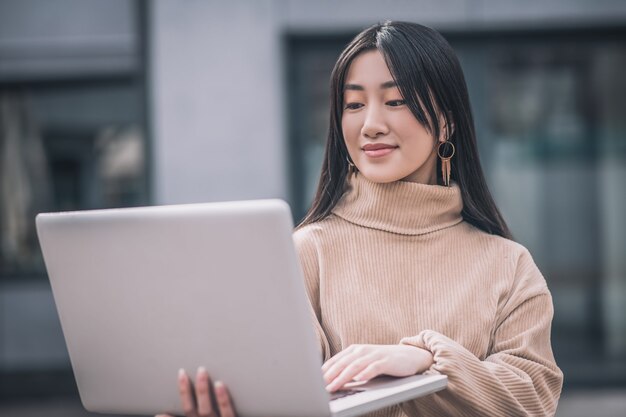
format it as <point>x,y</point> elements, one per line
<point>396,263</point>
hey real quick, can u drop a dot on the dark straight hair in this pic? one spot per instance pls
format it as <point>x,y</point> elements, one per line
<point>427,71</point>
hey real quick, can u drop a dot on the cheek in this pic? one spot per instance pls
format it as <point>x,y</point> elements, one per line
<point>405,123</point>
<point>411,132</point>
<point>350,129</point>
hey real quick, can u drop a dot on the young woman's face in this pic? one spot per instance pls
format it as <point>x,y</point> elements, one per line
<point>385,141</point>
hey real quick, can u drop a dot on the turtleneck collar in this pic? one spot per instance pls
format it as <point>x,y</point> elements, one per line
<point>401,207</point>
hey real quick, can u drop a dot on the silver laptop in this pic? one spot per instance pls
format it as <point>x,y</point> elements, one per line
<point>142,292</point>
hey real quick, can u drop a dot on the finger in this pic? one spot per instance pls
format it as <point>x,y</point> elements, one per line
<point>224,403</point>
<point>354,358</point>
<point>329,363</point>
<point>332,372</point>
<point>371,371</point>
<point>186,395</point>
<point>203,393</point>
<point>349,372</point>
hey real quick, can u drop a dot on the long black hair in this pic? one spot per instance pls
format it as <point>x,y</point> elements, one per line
<point>427,71</point>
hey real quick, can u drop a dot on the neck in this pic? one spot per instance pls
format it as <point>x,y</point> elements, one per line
<point>427,173</point>
<point>428,178</point>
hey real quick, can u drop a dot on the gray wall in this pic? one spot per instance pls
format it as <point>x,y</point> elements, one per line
<point>217,101</point>
<point>65,38</point>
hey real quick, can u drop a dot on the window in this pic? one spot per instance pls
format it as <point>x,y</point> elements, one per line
<point>65,145</point>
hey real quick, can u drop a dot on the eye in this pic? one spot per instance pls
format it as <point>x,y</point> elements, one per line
<point>353,106</point>
<point>396,103</point>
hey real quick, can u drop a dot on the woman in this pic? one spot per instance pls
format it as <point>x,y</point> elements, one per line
<point>409,265</point>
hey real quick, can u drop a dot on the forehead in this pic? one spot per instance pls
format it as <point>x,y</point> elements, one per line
<point>368,69</point>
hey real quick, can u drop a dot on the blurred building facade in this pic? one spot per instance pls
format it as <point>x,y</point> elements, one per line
<point>121,102</point>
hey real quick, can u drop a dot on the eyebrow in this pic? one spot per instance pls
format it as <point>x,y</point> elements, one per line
<point>386,84</point>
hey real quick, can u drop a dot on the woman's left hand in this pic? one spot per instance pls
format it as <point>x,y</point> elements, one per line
<point>201,402</point>
<point>364,362</point>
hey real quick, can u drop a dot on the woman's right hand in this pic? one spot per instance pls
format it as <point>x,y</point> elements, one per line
<point>203,405</point>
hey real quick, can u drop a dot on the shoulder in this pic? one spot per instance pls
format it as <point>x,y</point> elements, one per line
<point>519,265</point>
<point>316,234</point>
<point>306,236</point>
<point>306,233</point>
<point>310,241</point>
<point>307,240</point>
<point>496,244</point>
<point>316,239</point>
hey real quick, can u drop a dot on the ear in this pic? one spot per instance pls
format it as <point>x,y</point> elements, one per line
<point>451,124</point>
<point>445,135</point>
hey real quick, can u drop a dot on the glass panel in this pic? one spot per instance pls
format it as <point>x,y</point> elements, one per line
<point>313,64</point>
<point>556,168</point>
<point>65,146</point>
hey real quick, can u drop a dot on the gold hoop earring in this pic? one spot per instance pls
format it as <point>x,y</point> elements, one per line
<point>445,162</point>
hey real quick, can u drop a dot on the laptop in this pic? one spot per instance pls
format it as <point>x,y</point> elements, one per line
<point>142,292</point>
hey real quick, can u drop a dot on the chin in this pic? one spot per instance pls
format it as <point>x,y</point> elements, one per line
<point>381,177</point>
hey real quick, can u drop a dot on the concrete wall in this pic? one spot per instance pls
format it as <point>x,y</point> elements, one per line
<point>66,38</point>
<point>216,82</point>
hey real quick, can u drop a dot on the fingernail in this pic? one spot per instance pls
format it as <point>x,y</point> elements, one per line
<point>202,370</point>
<point>219,387</point>
<point>181,373</point>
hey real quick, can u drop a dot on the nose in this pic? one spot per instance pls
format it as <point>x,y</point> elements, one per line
<point>374,124</point>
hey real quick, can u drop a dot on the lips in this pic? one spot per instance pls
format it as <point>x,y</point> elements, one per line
<point>376,146</point>
<point>377,150</point>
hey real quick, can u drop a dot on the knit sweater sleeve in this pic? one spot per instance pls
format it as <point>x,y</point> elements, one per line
<point>519,376</point>
<point>309,262</point>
